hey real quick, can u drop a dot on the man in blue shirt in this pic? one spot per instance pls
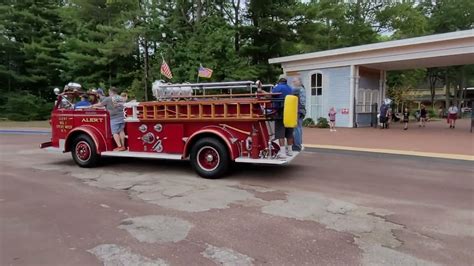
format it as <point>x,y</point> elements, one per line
<point>83,103</point>
<point>280,131</point>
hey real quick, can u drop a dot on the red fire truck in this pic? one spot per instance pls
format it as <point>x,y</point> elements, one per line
<point>211,124</point>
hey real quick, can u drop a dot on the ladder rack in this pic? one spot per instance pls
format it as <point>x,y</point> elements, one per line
<point>242,109</point>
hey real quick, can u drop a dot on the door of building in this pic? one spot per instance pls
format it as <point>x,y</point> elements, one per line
<point>316,98</point>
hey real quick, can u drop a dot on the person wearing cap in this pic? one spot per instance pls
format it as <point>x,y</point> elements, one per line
<point>101,94</point>
<point>114,104</point>
<point>83,103</point>
<point>282,133</point>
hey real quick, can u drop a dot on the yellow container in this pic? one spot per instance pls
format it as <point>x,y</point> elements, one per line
<point>290,111</point>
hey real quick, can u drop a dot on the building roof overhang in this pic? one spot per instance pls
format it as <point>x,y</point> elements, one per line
<point>454,48</point>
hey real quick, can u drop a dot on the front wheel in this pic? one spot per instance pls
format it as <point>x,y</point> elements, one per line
<point>84,151</point>
<point>210,158</point>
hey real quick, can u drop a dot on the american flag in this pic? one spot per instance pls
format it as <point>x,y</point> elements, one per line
<point>204,72</point>
<point>165,70</point>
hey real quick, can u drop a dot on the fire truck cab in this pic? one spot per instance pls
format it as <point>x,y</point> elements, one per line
<point>211,124</point>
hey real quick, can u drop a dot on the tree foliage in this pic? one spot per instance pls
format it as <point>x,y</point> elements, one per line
<point>101,43</point>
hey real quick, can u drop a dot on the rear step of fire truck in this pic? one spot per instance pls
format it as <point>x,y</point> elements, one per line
<point>166,156</point>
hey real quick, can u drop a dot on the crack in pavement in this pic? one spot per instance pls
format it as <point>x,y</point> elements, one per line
<point>372,233</point>
<point>114,255</point>
<point>157,228</point>
<point>226,256</point>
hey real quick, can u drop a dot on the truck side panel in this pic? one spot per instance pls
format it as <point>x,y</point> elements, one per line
<point>155,137</point>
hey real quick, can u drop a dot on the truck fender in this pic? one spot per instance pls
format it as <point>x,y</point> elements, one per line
<point>97,137</point>
<point>217,132</point>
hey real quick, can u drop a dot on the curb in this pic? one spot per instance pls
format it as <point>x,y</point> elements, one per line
<point>24,132</point>
<point>396,152</point>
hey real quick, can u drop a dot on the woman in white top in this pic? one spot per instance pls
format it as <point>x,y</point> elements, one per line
<point>452,115</point>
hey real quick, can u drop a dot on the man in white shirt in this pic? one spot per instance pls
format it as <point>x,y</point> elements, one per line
<point>452,115</point>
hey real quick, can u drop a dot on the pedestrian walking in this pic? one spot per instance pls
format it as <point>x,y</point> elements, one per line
<point>423,116</point>
<point>452,115</point>
<point>383,115</point>
<point>406,118</point>
<point>332,119</point>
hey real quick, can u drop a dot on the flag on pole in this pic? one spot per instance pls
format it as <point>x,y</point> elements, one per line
<point>165,70</point>
<point>204,72</point>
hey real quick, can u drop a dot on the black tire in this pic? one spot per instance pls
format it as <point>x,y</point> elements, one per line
<point>84,151</point>
<point>210,158</point>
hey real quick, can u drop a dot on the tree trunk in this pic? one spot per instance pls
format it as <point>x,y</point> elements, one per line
<point>462,85</point>
<point>236,24</point>
<point>110,75</point>
<point>447,81</point>
<point>432,76</point>
<point>199,8</point>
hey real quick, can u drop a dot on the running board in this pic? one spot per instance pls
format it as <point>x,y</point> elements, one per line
<point>277,161</point>
<point>142,155</point>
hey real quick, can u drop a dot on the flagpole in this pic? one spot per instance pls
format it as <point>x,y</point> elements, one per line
<point>163,60</point>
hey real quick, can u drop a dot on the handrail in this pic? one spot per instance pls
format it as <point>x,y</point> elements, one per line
<point>209,84</point>
<point>225,95</point>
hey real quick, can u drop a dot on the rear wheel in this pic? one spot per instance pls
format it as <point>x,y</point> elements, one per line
<point>84,151</point>
<point>210,158</point>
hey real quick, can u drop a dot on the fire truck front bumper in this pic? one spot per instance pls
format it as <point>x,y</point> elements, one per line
<point>276,161</point>
<point>48,146</point>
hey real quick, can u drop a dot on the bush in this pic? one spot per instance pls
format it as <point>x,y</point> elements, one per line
<point>431,113</point>
<point>17,117</point>
<point>308,122</point>
<point>322,123</point>
<point>25,107</point>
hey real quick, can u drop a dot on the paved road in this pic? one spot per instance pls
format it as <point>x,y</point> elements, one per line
<point>327,208</point>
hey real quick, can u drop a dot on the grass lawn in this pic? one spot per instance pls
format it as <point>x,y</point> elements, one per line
<point>26,124</point>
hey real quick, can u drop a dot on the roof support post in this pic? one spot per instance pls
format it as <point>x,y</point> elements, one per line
<point>354,84</point>
<point>382,85</point>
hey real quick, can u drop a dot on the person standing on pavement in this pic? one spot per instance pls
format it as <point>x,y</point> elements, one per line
<point>332,119</point>
<point>282,133</point>
<point>300,92</point>
<point>406,117</point>
<point>423,115</point>
<point>383,115</point>
<point>452,115</point>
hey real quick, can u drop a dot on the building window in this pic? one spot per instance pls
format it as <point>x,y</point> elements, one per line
<point>365,99</point>
<point>317,84</point>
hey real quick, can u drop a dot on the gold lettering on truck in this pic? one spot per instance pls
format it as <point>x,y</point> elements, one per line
<point>92,120</point>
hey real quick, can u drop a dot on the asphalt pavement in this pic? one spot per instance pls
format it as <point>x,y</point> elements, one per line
<point>329,207</point>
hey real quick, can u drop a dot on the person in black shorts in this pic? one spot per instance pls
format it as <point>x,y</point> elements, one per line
<point>422,116</point>
<point>281,132</point>
<point>406,116</point>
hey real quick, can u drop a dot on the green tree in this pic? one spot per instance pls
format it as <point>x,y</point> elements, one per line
<point>404,20</point>
<point>100,41</point>
<point>400,83</point>
<point>269,34</point>
<point>29,42</point>
<point>449,15</point>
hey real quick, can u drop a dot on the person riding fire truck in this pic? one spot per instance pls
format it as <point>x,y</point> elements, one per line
<point>211,124</point>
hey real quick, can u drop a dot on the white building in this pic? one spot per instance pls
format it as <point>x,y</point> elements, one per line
<point>351,79</point>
